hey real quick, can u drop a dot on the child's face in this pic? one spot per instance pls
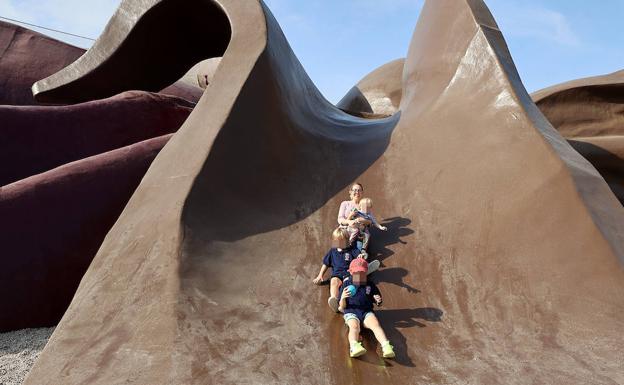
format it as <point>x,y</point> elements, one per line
<point>359,278</point>
<point>339,243</point>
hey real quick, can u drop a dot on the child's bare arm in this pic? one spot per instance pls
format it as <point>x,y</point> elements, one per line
<point>380,227</point>
<point>319,277</point>
<point>376,224</point>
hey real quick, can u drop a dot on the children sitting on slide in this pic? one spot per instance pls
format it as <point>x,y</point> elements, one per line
<point>358,231</point>
<point>356,302</point>
<point>338,258</point>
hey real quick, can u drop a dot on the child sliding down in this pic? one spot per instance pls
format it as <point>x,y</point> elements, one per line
<point>356,303</point>
<point>338,258</point>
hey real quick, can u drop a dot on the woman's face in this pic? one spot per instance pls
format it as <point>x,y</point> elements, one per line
<point>356,192</point>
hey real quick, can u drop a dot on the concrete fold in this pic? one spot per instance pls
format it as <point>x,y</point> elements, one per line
<point>502,262</point>
<point>27,56</point>
<point>377,93</point>
<point>589,112</point>
<point>39,138</point>
<point>53,224</point>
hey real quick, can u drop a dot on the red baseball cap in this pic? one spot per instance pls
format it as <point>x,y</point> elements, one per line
<point>358,265</point>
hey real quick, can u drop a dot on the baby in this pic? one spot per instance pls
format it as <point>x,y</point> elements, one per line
<point>358,231</point>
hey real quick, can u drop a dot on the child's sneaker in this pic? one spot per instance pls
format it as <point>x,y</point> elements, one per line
<point>387,350</point>
<point>333,303</point>
<point>356,349</point>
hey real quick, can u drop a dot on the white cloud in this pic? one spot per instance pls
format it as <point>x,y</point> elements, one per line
<point>533,22</point>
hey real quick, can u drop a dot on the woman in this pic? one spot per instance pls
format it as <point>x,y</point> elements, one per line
<point>355,193</point>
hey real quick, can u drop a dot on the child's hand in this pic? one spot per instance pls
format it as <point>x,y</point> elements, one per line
<point>318,280</point>
<point>346,293</point>
<point>377,299</point>
<point>383,228</point>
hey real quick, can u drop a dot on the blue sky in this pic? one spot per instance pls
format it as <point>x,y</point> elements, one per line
<point>340,41</point>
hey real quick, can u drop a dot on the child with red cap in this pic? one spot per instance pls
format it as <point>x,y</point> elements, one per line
<point>357,306</point>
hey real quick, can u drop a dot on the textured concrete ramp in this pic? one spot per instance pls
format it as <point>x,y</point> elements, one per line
<point>502,263</point>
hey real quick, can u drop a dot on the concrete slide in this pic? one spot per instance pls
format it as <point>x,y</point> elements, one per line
<point>503,258</point>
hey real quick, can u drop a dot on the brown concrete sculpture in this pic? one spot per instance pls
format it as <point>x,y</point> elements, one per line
<point>587,112</point>
<point>503,259</point>
<point>67,173</point>
<point>590,114</point>
<point>28,56</point>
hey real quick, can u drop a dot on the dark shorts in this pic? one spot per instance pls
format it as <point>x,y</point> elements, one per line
<point>358,314</point>
<point>340,275</point>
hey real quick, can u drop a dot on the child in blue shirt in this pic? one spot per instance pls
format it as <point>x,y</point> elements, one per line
<point>338,258</point>
<point>358,309</point>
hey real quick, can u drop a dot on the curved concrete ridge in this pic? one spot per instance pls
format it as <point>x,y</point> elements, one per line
<point>54,222</point>
<point>379,92</point>
<point>200,31</point>
<point>25,57</point>
<point>39,138</point>
<point>498,228</point>
<point>585,107</point>
<point>614,78</point>
<point>590,113</point>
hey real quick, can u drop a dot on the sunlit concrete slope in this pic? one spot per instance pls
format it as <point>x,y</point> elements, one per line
<point>502,263</point>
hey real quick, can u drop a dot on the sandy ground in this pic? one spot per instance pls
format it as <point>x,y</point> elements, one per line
<point>18,351</point>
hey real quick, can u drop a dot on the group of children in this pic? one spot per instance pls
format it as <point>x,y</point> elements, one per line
<point>350,292</point>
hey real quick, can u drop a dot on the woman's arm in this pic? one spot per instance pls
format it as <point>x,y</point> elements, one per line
<point>342,214</point>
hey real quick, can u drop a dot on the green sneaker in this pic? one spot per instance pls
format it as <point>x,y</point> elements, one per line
<point>356,349</point>
<point>387,350</point>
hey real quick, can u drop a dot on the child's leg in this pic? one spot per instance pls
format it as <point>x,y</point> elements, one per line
<point>355,346</point>
<point>354,233</point>
<point>371,322</point>
<point>365,238</point>
<point>354,329</point>
<point>334,286</point>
